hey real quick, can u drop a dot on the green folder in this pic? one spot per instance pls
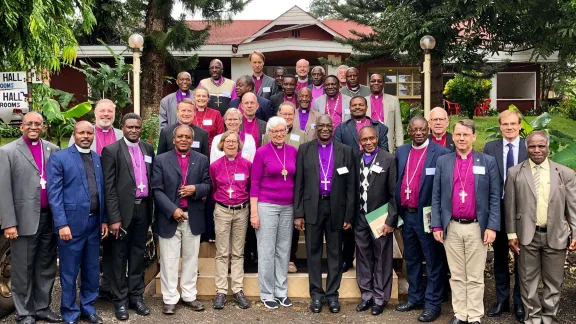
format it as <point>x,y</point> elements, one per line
<point>376,219</point>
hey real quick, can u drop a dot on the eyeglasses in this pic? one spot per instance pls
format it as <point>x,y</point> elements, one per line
<point>437,120</point>
<point>461,135</point>
<point>30,124</point>
<point>279,131</point>
<point>232,119</point>
<point>287,114</point>
<point>230,142</point>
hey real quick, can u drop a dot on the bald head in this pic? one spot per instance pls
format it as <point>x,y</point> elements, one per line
<point>302,69</point>
<point>249,105</point>
<point>32,116</point>
<point>418,130</point>
<point>32,126</point>
<point>216,69</point>
<point>83,134</point>
<point>304,98</point>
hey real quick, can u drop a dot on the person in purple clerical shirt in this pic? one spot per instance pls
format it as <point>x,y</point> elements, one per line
<point>302,69</point>
<point>325,205</point>
<point>27,222</point>
<point>465,218</point>
<point>169,103</point>
<point>230,178</point>
<point>317,87</point>
<point>127,169</point>
<point>305,117</point>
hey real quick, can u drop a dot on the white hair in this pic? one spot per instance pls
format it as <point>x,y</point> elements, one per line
<point>275,122</point>
<point>233,111</point>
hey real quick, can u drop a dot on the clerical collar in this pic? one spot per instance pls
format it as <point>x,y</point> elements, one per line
<point>302,80</point>
<point>102,129</point>
<point>182,155</point>
<point>256,77</point>
<point>324,145</point>
<point>130,143</point>
<point>303,110</point>
<point>359,121</point>
<point>249,118</point>
<point>30,142</point>
<point>279,146</point>
<point>318,87</point>
<point>514,143</point>
<point>465,157</point>
<point>377,95</point>
<point>372,153</point>
<point>82,150</point>
<point>439,138</point>
<point>232,158</point>
<point>200,109</point>
<point>423,145</point>
<point>355,89</point>
<point>184,93</point>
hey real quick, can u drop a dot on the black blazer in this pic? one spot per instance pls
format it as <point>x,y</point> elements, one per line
<point>343,200</point>
<point>278,99</point>
<point>166,180</point>
<point>261,128</point>
<point>382,186</point>
<point>495,148</point>
<point>120,183</point>
<point>265,109</point>
<point>449,141</point>
<point>166,142</point>
<point>346,134</point>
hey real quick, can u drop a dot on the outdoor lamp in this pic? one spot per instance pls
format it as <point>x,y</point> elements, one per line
<point>136,42</point>
<point>427,43</point>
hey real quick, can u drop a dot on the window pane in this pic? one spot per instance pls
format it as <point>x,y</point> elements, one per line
<point>404,76</point>
<point>390,76</point>
<point>416,75</point>
<point>404,89</point>
<point>390,88</point>
<point>417,89</point>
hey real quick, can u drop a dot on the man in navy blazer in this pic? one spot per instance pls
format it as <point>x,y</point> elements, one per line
<point>416,166</point>
<point>465,218</point>
<point>180,182</point>
<point>76,196</point>
<point>245,84</point>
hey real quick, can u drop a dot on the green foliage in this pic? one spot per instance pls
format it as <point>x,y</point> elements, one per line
<point>468,92</point>
<point>323,9</point>
<point>568,105</point>
<point>151,130</point>
<point>566,156</point>
<point>8,131</point>
<point>408,111</point>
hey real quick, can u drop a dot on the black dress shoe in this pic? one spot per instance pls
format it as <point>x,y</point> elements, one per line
<point>364,305</point>
<point>316,306</point>
<point>498,309</point>
<point>475,322</point>
<point>429,315</point>
<point>48,316</point>
<point>519,313</point>
<point>334,306</point>
<point>92,319</point>
<point>408,306</point>
<point>169,309</point>
<point>25,320</point>
<point>346,266</point>
<point>377,309</point>
<point>455,320</point>
<point>121,312</point>
<point>140,308</point>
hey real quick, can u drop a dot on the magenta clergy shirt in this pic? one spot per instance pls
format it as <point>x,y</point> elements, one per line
<point>181,95</point>
<point>334,109</point>
<point>257,83</point>
<point>301,84</point>
<point>184,164</point>
<point>316,92</point>
<point>268,183</point>
<point>36,151</point>
<point>140,171</point>
<point>377,107</point>
<point>466,210</point>
<point>303,118</point>
<point>251,127</point>
<point>235,174</point>
<point>326,161</point>
<point>103,138</point>
<point>413,174</point>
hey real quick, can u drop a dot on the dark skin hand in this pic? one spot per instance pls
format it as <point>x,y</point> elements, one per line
<point>179,215</point>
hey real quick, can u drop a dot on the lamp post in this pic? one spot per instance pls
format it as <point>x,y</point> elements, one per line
<point>427,43</point>
<point>136,41</point>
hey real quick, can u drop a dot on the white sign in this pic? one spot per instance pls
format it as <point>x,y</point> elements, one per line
<point>15,99</point>
<point>12,80</point>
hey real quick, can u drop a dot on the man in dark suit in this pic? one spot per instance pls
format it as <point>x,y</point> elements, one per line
<point>180,181</point>
<point>265,86</point>
<point>278,75</point>
<point>465,218</point>
<point>27,221</point>
<point>288,93</point>
<point>127,169</point>
<point>244,85</point>
<point>325,204</point>
<point>508,151</point>
<point>76,195</point>
<point>439,122</point>
<point>416,167</point>
<point>377,179</point>
<point>185,113</point>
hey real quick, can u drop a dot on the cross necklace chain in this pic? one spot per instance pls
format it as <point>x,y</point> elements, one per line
<point>230,191</point>
<point>42,180</point>
<point>463,193</point>
<point>325,182</point>
<point>284,171</point>
<point>409,180</point>
<point>333,112</point>
<point>138,161</point>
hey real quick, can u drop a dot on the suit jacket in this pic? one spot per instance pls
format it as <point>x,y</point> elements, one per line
<point>267,82</point>
<point>265,108</point>
<point>487,187</point>
<point>320,106</point>
<point>278,99</point>
<point>20,183</point>
<point>495,148</point>
<point>343,200</point>
<point>68,190</point>
<point>392,119</point>
<point>346,134</point>
<point>426,182</point>
<point>449,141</point>
<point>200,144</point>
<point>295,138</point>
<point>520,200</point>
<point>261,129</point>
<point>120,182</point>
<point>166,180</point>
<point>117,133</point>
<point>382,186</point>
<point>168,105</point>
<point>310,129</point>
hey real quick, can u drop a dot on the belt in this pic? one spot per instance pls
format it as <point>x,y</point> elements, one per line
<point>412,210</point>
<point>324,197</point>
<point>139,201</point>
<point>541,229</point>
<point>465,220</point>
<point>45,210</point>
<point>234,207</point>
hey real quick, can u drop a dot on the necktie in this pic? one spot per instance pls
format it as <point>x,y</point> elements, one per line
<point>536,176</point>
<point>510,156</point>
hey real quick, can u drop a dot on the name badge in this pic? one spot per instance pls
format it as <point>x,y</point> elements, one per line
<point>342,170</point>
<point>430,171</point>
<point>479,170</point>
<point>346,111</point>
<point>239,176</point>
<point>295,137</point>
<point>312,126</point>
<point>207,122</point>
<point>147,159</point>
<point>266,89</point>
<point>196,144</point>
<point>376,168</point>
<point>226,94</point>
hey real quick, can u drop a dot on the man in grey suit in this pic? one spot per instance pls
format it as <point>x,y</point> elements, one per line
<point>385,108</point>
<point>540,203</point>
<point>168,104</point>
<point>104,132</point>
<point>265,86</point>
<point>465,218</point>
<point>333,103</point>
<point>27,221</point>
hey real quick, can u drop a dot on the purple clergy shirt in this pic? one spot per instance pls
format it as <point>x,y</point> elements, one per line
<point>368,157</point>
<point>466,209</point>
<point>103,138</point>
<point>257,83</point>
<point>326,152</point>
<point>413,174</point>
<point>140,171</point>
<point>316,92</point>
<point>303,118</point>
<point>184,164</point>
<point>268,183</point>
<point>377,107</point>
<point>235,174</point>
<point>334,109</point>
<point>36,151</point>
<point>181,95</point>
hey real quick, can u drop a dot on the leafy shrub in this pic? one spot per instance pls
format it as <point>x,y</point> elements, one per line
<point>151,130</point>
<point>8,131</point>
<point>468,92</point>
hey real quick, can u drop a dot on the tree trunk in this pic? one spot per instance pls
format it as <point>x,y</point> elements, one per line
<point>153,65</point>
<point>437,85</point>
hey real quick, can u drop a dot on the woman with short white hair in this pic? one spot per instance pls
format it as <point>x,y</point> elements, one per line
<point>271,212</point>
<point>233,120</point>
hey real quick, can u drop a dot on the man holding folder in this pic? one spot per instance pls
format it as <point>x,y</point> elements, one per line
<point>374,231</point>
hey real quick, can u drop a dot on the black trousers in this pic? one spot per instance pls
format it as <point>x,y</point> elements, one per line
<point>294,245</point>
<point>348,247</point>
<point>128,252</point>
<point>33,268</point>
<point>315,234</point>
<point>501,270</point>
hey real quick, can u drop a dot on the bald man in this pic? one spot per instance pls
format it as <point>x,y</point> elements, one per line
<point>27,221</point>
<point>302,69</point>
<point>439,122</point>
<point>353,87</point>
<point>221,90</point>
<point>169,103</point>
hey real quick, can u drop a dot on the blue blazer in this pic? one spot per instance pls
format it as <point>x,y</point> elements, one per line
<point>265,110</point>
<point>166,180</point>
<point>346,134</point>
<point>68,190</point>
<point>487,188</point>
<point>426,182</point>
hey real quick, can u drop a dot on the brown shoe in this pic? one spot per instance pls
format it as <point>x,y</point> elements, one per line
<point>195,305</point>
<point>169,309</point>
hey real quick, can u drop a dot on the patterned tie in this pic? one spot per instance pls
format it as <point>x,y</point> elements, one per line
<point>510,156</point>
<point>536,176</point>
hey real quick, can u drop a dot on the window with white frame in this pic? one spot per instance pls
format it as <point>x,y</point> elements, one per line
<point>404,82</point>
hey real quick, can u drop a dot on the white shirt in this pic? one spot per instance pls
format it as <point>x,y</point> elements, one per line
<point>515,150</point>
<point>248,150</point>
<point>82,150</point>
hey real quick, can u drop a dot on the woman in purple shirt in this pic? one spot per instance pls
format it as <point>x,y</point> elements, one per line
<point>271,199</point>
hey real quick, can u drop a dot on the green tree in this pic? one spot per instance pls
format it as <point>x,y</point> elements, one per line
<point>468,91</point>
<point>323,9</point>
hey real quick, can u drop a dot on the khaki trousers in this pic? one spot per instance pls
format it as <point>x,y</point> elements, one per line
<point>466,255</point>
<point>230,227</point>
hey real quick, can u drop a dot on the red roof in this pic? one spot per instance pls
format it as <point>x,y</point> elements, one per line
<point>343,27</point>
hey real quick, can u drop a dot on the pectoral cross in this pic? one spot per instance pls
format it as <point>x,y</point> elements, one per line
<point>284,173</point>
<point>463,195</point>
<point>230,191</point>
<point>42,183</point>
<point>141,186</point>
<point>325,182</point>
<point>408,192</point>
<point>218,102</point>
